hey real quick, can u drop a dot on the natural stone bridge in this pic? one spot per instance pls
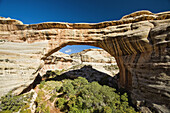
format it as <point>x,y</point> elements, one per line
<point>140,42</point>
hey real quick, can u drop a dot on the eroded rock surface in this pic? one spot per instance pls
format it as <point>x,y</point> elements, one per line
<point>140,43</point>
<point>18,64</point>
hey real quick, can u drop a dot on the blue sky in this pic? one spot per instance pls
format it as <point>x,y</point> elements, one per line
<point>76,11</point>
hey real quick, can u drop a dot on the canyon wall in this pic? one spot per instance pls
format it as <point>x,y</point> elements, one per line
<point>140,43</point>
<point>18,64</point>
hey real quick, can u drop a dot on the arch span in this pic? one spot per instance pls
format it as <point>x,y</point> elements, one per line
<point>119,41</point>
<point>140,42</point>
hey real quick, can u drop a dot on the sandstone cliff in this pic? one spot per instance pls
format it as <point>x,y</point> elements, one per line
<point>18,64</point>
<point>140,43</point>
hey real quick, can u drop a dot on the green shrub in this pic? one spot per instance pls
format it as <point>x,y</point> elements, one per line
<point>60,103</point>
<point>80,96</point>
<point>11,103</point>
<point>59,72</point>
<point>43,107</point>
<point>6,111</point>
<point>107,109</point>
<point>25,111</point>
<point>39,96</point>
<point>42,84</point>
<point>52,98</point>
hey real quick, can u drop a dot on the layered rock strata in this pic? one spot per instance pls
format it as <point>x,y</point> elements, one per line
<point>140,42</point>
<point>18,64</point>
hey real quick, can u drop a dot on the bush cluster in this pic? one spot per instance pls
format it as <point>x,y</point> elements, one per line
<point>72,96</point>
<point>80,96</point>
<point>11,103</point>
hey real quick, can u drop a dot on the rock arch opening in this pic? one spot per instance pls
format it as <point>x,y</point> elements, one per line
<point>69,58</point>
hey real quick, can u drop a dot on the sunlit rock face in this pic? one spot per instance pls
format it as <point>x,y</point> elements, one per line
<point>140,43</point>
<point>99,59</point>
<point>18,64</point>
<point>57,61</point>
